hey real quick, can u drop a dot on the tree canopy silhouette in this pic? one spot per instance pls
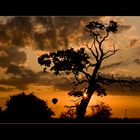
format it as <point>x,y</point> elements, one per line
<point>101,111</point>
<point>69,114</point>
<point>27,106</point>
<point>85,62</point>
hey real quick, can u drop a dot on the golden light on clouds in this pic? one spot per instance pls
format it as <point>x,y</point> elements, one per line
<point>39,28</point>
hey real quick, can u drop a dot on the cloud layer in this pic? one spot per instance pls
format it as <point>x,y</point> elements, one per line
<point>10,54</point>
<point>45,33</point>
<point>42,32</point>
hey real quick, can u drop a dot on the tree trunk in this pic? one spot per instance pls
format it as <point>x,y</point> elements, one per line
<point>81,109</point>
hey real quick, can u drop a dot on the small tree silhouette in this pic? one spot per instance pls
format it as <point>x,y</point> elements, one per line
<point>101,111</point>
<point>80,62</point>
<point>27,107</point>
<point>69,114</point>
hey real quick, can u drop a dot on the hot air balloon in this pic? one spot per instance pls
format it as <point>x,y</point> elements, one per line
<point>54,100</point>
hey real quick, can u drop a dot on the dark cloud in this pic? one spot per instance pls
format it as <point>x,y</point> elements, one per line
<point>15,69</point>
<point>61,82</point>
<point>112,65</point>
<point>3,89</point>
<point>5,19</point>
<point>10,54</point>
<point>59,29</point>
<point>16,31</point>
<point>122,28</point>
<point>21,77</point>
<point>123,88</point>
<point>45,32</point>
<point>64,83</point>
<point>133,42</point>
<point>137,61</point>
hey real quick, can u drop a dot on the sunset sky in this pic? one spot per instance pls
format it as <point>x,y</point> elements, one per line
<point>24,39</point>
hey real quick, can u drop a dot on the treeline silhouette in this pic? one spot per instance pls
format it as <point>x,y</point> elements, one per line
<point>28,108</point>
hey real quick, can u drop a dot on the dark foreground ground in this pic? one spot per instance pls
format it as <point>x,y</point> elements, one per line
<point>70,129</point>
<point>71,121</point>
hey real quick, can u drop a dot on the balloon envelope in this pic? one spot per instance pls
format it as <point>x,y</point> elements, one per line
<point>54,100</point>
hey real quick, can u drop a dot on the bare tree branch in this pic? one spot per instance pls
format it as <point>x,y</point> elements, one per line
<point>92,52</point>
<point>97,39</point>
<point>101,50</point>
<point>106,55</point>
<point>104,38</point>
<point>100,43</point>
<point>131,83</point>
<point>78,81</point>
<point>91,65</point>
<point>88,76</point>
<point>94,43</point>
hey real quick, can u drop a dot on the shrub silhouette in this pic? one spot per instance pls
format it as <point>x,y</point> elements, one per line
<point>27,107</point>
<point>69,114</point>
<point>101,111</point>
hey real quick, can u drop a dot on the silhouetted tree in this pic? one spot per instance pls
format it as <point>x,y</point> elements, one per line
<point>27,107</point>
<point>101,111</point>
<point>70,113</point>
<point>83,64</point>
